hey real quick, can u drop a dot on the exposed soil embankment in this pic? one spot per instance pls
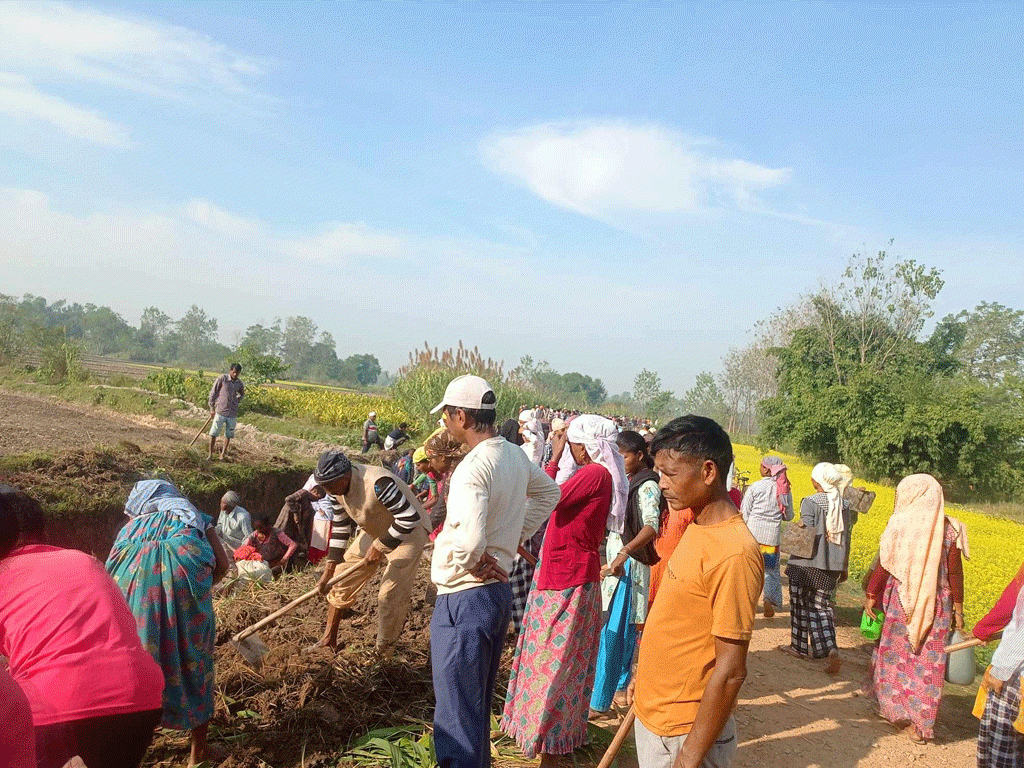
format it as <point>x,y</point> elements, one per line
<point>83,491</point>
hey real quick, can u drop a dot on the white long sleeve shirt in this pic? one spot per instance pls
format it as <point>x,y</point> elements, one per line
<point>497,499</point>
<point>761,512</point>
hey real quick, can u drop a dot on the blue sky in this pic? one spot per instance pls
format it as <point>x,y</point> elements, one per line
<point>608,187</point>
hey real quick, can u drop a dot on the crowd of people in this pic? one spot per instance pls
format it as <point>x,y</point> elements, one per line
<point>619,564</point>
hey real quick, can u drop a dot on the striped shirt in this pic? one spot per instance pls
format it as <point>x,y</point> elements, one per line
<point>761,512</point>
<point>405,518</point>
<point>343,528</point>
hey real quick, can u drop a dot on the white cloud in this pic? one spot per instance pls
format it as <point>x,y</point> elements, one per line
<point>23,101</point>
<point>332,242</point>
<point>604,168</point>
<point>49,43</point>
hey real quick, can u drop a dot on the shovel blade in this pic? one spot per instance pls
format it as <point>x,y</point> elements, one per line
<point>252,649</point>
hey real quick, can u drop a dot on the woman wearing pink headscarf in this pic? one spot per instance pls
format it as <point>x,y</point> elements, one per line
<point>919,583</point>
<point>765,505</point>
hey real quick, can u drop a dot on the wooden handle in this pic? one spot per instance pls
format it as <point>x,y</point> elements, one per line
<point>203,429</point>
<point>620,737</point>
<point>527,556</point>
<point>965,644</point>
<point>292,605</point>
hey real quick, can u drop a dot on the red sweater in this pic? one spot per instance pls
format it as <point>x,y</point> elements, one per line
<point>1001,613</point>
<point>570,554</point>
<point>954,569</point>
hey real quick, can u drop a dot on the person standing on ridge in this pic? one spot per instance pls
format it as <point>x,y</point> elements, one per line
<point>225,394</point>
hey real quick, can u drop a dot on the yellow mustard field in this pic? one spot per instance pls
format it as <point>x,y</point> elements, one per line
<point>995,545</point>
<point>326,406</point>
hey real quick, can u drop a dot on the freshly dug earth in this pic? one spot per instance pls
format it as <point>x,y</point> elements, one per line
<point>38,423</point>
<point>305,706</point>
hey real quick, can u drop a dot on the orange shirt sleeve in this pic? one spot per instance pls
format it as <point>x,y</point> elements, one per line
<point>734,586</point>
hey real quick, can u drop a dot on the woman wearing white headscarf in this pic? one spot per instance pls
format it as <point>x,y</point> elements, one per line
<point>813,579</point>
<point>919,584</point>
<point>533,436</point>
<point>553,667</point>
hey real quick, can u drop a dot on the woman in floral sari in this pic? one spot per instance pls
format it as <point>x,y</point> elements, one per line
<point>166,560</point>
<point>919,584</point>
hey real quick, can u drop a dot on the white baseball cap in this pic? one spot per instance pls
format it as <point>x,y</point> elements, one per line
<point>467,391</point>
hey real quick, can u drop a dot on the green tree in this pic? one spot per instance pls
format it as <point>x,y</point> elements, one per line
<point>195,332</point>
<point>297,340</point>
<point>987,342</point>
<point>704,398</point>
<point>646,386</point>
<point>364,369</point>
<point>259,368</point>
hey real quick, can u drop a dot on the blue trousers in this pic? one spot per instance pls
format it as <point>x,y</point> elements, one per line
<point>618,640</point>
<point>467,633</point>
<point>772,579</point>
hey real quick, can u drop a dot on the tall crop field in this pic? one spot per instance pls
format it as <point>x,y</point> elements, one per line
<point>995,544</point>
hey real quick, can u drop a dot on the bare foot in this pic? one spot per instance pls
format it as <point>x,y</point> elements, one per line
<point>323,643</point>
<point>915,735</point>
<point>833,664</point>
<point>769,609</point>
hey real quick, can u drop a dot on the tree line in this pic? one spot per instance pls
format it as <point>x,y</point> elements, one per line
<point>291,347</point>
<point>846,373</point>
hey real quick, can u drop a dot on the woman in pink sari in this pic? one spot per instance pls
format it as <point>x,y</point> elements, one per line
<point>919,584</point>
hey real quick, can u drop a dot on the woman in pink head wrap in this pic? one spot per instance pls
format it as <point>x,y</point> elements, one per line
<point>765,505</point>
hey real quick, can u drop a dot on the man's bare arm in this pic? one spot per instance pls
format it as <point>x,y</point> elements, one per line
<point>718,701</point>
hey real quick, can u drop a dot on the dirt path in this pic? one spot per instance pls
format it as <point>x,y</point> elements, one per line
<point>793,714</point>
<point>38,423</point>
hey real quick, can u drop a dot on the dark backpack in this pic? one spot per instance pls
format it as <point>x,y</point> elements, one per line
<point>633,523</point>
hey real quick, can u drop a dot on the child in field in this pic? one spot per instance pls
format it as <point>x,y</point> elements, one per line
<point>267,545</point>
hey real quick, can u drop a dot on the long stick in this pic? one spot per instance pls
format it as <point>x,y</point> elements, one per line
<point>201,431</point>
<point>292,605</point>
<point>620,737</point>
<point>965,644</point>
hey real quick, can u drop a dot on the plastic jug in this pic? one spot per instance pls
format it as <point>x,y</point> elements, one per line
<point>872,628</point>
<point>960,667</point>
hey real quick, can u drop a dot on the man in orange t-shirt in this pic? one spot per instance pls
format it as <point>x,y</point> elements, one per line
<point>693,655</point>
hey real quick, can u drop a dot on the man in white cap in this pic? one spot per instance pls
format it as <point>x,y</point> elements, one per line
<point>497,500</point>
<point>371,433</point>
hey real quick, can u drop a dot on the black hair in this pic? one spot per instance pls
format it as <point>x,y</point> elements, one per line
<point>403,425</point>
<point>21,516</point>
<point>264,517</point>
<point>482,418</point>
<point>634,442</point>
<point>697,437</point>
<point>510,431</point>
<point>236,367</point>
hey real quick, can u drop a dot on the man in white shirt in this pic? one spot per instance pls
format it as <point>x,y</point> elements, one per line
<point>497,499</point>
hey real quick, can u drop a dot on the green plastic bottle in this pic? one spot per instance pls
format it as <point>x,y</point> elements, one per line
<point>871,628</point>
